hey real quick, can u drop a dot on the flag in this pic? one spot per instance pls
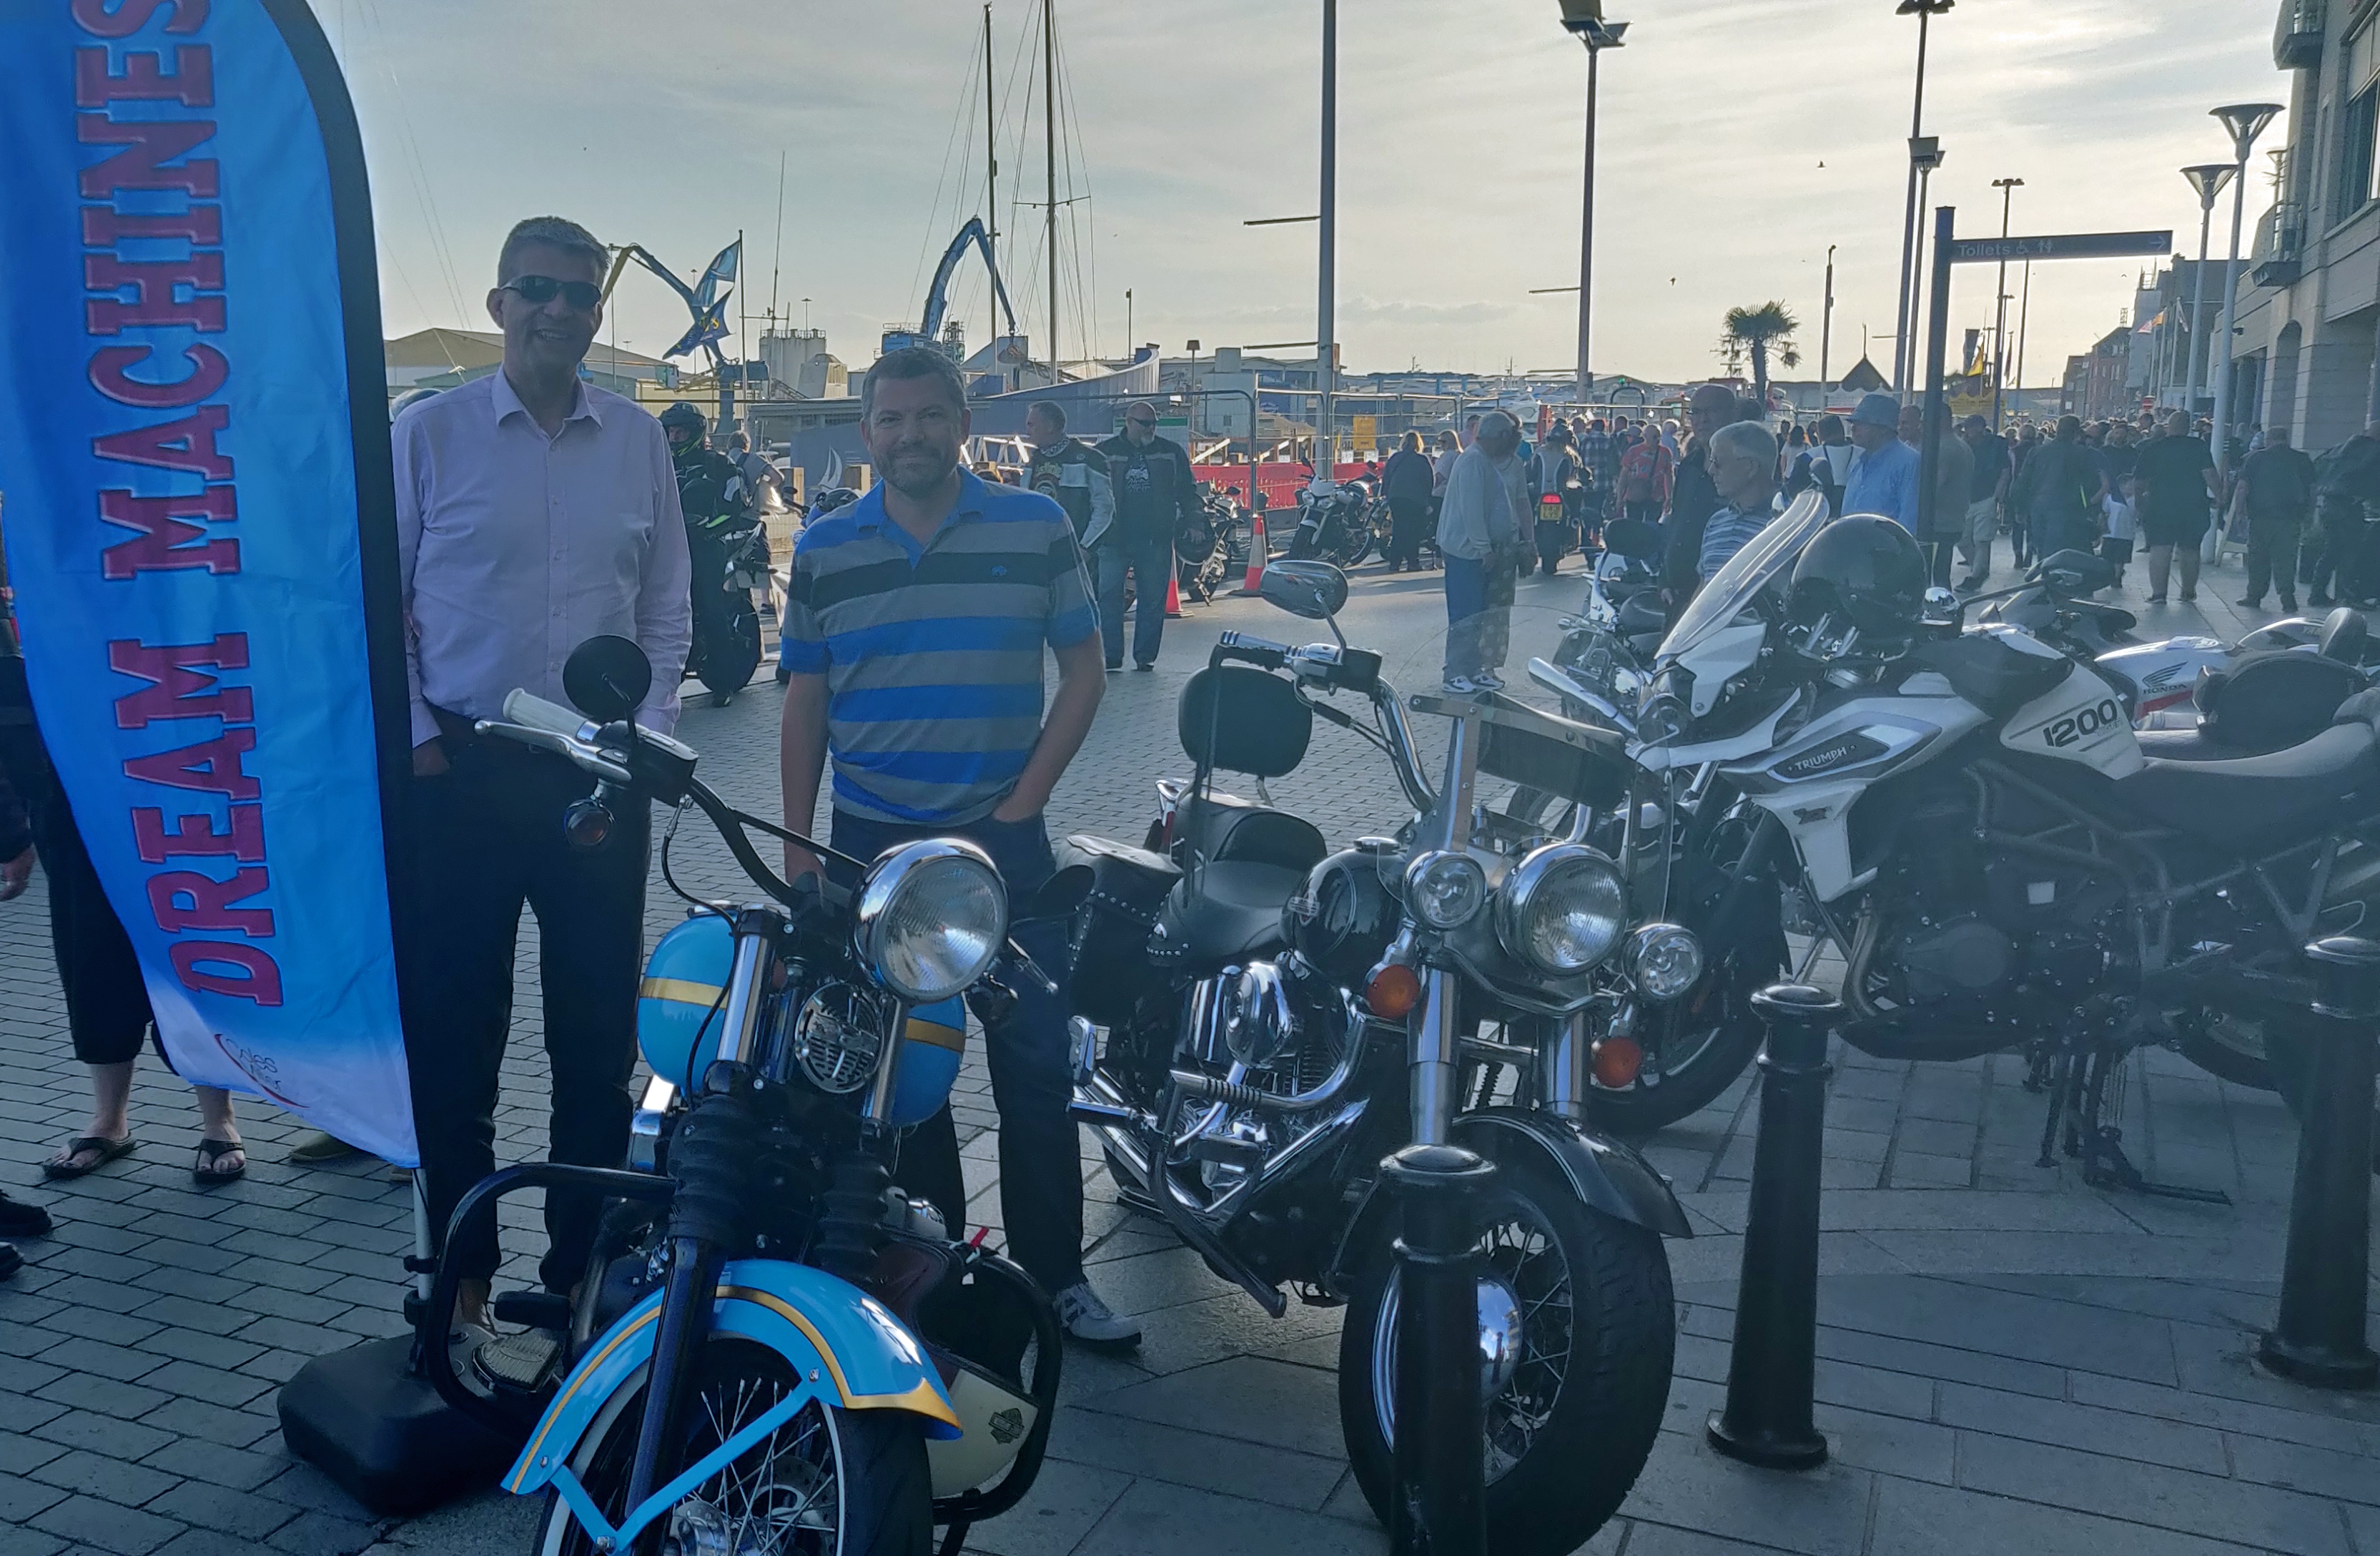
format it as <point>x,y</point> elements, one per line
<point>202,530</point>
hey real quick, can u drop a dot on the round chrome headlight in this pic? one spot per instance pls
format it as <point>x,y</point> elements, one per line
<point>1561,908</point>
<point>1445,889</point>
<point>933,916</point>
<point>1664,961</point>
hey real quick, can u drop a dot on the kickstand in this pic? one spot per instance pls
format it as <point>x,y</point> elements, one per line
<point>2100,1144</point>
<point>956,1539</point>
<point>2055,1070</point>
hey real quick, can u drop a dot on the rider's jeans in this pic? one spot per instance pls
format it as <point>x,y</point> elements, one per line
<point>1041,1157</point>
<point>1151,564</point>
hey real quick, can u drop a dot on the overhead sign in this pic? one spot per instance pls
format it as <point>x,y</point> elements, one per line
<point>201,526</point>
<point>2066,246</point>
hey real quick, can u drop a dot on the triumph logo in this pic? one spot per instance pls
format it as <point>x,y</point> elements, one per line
<point>1819,760</point>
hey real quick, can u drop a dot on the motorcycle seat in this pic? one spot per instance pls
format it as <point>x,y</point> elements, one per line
<point>1228,911</point>
<point>2237,800</point>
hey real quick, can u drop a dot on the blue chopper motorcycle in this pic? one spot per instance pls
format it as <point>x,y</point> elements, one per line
<point>775,1350</point>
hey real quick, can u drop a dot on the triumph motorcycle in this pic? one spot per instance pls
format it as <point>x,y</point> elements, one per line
<point>774,1349</point>
<point>1970,817</point>
<point>1279,1016</point>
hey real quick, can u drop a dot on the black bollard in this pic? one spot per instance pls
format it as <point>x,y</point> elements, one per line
<point>1441,1497</point>
<point>2319,1338</point>
<point>1766,1420</point>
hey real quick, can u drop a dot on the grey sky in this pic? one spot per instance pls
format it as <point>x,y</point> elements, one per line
<point>1459,159</point>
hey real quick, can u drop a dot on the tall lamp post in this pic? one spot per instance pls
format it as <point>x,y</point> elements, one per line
<point>2207,178</point>
<point>2245,121</point>
<point>1924,11</point>
<point>1925,154</point>
<point>1326,340</point>
<point>1583,20</point>
<point>2008,188</point>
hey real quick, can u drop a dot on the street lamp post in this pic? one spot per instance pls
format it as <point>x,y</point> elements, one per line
<point>1924,11</point>
<point>2008,188</point>
<point>2207,178</point>
<point>1326,348</point>
<point>1584,20</point>
<point>1925,154</point>
<point>2245,121</point>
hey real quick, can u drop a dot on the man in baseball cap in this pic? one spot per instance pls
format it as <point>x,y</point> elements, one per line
<point>1884,474</point>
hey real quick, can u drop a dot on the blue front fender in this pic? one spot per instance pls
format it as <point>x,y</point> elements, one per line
<point>846,1346</point>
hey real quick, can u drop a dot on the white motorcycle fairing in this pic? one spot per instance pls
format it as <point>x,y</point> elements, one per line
<point>2079,720</point>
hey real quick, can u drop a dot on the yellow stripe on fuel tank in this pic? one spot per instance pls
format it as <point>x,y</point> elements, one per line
<point>679,990</point>
<point>935,1034</point>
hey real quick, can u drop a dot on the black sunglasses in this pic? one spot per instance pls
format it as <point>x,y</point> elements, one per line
<point>1141,420</point>
<point>581,295</point>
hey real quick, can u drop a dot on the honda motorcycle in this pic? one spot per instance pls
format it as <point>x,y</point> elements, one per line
<point>774,1349</point>
<point>1279,1016</point>
<point>1971,817</point>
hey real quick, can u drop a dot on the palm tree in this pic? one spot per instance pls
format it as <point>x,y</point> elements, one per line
<point>1758,331</point>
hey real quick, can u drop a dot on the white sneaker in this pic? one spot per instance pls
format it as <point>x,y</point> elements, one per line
<point>1488,680</point>
<point>1461,686</point>
<point>1092,1321</point>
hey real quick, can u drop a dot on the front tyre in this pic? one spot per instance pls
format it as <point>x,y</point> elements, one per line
<point>828,1482</point>
<point>1569,1433</point>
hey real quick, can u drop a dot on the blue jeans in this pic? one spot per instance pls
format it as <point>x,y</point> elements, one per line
<point>1467,616</point>
<point>1041,1166</point>
<point>1151,564</point>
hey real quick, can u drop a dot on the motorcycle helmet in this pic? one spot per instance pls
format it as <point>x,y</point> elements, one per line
<point>1861,571</point>
<point>684,418</point>
<point>833,497</point>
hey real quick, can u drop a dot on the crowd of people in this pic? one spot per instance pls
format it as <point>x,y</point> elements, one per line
<point>2111,487</point>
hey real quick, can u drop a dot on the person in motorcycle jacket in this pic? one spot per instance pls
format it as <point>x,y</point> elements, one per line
<point>1069,472</point>
<point>718,502</point>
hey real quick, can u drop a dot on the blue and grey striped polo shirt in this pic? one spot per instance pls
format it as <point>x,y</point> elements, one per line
<point>932,654</point>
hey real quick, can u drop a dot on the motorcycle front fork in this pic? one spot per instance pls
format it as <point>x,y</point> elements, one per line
<point>1434,1063</point>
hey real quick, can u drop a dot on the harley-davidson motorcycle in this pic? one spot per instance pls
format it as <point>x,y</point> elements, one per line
<point>1971,816</point>
<point>774,1349</point>
<point>1279,1016</point>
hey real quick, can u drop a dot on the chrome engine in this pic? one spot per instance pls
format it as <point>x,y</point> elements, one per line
<point>1277,1028</point>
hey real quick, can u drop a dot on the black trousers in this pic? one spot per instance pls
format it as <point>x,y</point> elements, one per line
<point>487,839</point>
<point>2273,556</point>
<point>1407,518</point>
<point>1040,1150</point>
<point>107,1004</point>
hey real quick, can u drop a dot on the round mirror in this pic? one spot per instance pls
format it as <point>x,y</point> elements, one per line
<point>607,678</point>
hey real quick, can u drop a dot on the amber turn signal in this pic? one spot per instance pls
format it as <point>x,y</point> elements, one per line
<point>1617,1061</point>
<point>1393,991</point>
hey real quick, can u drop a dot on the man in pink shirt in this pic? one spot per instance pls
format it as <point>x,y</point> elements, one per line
<point>534,511</point>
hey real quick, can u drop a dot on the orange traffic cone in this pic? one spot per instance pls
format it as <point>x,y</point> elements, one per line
<point>1173,596</point>
<point>1257,551</point>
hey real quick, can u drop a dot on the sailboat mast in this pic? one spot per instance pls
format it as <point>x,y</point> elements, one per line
<point>991,172</point>
<point>1049,154</point>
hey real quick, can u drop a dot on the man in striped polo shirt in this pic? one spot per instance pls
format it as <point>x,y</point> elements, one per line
<point>914,628</point>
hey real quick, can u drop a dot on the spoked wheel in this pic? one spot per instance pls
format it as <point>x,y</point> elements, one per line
<point>1570,1428</point>
<point>827,1482</point>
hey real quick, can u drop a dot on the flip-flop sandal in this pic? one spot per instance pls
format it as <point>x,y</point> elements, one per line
<point>212,1151</point>
<point>108,1151</point>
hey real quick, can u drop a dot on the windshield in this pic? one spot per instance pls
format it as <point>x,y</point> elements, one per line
<point>1746,572</point>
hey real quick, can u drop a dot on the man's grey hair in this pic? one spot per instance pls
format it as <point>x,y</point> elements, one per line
<point>1050,411</point>
<point>553,232</point>
<point>912,361</point>
<point>1747,440</point>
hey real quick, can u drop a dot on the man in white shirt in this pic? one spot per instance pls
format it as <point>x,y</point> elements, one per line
<point>534,511</point>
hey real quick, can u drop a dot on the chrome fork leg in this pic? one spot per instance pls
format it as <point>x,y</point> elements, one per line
<point>1430,1068</point>
<point>1565,1071</point>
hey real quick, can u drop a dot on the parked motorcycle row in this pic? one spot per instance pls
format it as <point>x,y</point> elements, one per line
<point>777,1349</point>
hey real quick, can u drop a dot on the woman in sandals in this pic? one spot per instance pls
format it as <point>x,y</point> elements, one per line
<point>107,1004</point>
